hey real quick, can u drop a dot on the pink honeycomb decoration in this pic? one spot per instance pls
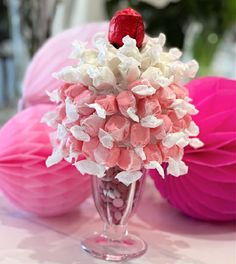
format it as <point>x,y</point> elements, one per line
<point>24,178</point>
<point>208,191</point>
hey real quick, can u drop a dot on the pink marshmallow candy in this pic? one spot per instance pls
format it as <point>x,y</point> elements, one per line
<point>126,100</point>
<point>153,153</point>
<point>92,124</point>
<point>85,97</point>
<point>138,83</point>
<point>149,106</point>
<point>108,157</point>
<point>173,152</point>
<point>108,102</point>
<point>180,92</point>
<point>75,90</point>
<point>129,160</point>
<point>139,135</point>
<point>165,96</point>
<point>179,124</point>
<point>89,147</point>
<point>118,126</point>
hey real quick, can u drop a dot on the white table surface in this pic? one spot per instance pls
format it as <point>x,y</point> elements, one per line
<point>172,237</point>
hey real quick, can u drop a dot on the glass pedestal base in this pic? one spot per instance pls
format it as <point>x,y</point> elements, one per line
<point>129,247</point>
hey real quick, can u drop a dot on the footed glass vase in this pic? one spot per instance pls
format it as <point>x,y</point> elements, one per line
<point>115,203</point>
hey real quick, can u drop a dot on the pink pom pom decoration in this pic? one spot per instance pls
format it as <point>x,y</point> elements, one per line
<point>51,57</point>
<point>24,178</point>
<point>208,190</point>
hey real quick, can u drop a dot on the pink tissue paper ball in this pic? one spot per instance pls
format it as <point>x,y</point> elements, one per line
<point>50,58</point>
<point>24,178</point>
<point>208,191</point>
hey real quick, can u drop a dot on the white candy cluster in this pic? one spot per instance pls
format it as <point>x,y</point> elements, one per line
<point>107,70</point>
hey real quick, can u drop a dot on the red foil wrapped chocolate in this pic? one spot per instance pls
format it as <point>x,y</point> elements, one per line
<point>126,22</point>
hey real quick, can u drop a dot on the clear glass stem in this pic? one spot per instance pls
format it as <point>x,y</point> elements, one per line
<point>115,232</point>
<point>129,206</point>
<point>115,203</point>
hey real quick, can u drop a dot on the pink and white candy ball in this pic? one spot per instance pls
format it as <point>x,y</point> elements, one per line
<point>117,108</point>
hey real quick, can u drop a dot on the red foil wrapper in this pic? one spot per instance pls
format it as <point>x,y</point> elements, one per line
<point>126,22</point>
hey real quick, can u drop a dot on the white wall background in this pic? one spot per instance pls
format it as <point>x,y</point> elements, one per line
<point>72,13</point>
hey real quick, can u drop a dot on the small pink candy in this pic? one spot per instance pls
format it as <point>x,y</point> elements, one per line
<point>181,92</point>
<point>129,160</point>
<point>167,124</point>
<point>74,90</point>
<point>187,118</point>
<point>172,115</point>
<point>106,156</point>
<point>89,147</point>
<point>70,125</point>
<point>165,96</point>
<point>74,143</point>
<point>139,82</point>
<point>118,126</point>
<point>161,131</point>
<point>118,202</point>
<point>179,124</point>
<point>108,102</point>
<point>139,135</point>
<point>101,154</point>
<point>62,90</point>
<point>86,97</point>
<point>153,152</point>
<point>149,106</point>
<point>113,157</point>
<point>125,100</point>
<point>61,112</point>
<point>91,124</point>
<point>173,152</point>
<point>157,133</point>
<point>117,215</point>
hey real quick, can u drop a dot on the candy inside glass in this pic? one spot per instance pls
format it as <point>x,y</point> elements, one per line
<point>115,203</point>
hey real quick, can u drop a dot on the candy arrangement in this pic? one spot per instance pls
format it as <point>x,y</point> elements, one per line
<point>123,105</point>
